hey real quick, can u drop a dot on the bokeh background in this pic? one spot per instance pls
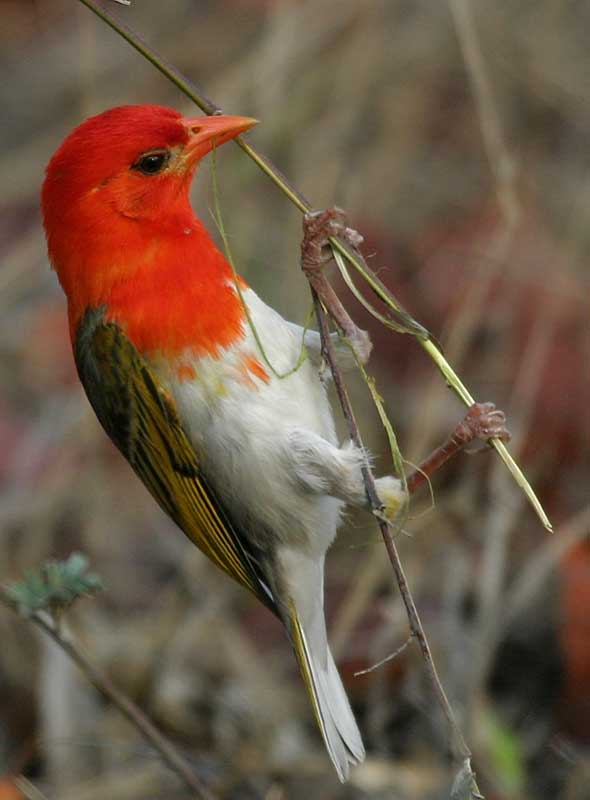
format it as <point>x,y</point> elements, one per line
<point>462,154</point>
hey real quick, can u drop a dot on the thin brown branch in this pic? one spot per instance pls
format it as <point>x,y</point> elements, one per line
<point>126,706</point>
<point>387,659</point>
<point>415,623</point>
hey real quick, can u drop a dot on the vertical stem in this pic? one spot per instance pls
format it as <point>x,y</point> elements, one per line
<point>416,629</point>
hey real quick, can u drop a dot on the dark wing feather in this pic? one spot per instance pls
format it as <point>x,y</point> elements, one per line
<point>139,416</point>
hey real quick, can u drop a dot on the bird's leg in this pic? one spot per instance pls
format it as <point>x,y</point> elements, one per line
<point>323,468</point>
<point>318,227</point>
<point>482,421</point>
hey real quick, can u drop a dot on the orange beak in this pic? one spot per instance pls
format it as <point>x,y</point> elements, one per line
<point>205,133</point>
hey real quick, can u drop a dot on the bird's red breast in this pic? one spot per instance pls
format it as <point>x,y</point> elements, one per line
<point>184,299</point>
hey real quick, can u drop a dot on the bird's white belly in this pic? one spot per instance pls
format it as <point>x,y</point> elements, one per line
<point>240,421</point>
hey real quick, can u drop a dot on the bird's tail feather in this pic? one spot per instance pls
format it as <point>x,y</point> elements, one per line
<point>330,704</point>
<point>308,634</point>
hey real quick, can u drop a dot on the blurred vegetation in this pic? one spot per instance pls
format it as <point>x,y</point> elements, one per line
<point>369,105</point>
<point>55,587</point>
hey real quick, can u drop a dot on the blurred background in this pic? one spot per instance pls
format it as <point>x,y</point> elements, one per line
<point>461,153</point>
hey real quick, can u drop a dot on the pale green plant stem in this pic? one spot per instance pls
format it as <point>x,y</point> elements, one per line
<point>218,219</point>
<point>398,318</point>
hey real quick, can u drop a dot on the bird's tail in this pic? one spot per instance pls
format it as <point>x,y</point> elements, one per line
<point>308,634</point>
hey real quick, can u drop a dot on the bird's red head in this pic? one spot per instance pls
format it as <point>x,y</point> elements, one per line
<point>132,160</point>
<point>115,195</point>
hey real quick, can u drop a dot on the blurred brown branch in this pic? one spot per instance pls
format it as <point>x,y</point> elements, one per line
<point>53,627</point>
<point>502,162</point>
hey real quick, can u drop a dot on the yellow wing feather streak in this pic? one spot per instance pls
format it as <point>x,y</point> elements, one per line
<point>301,652</point>
<point>139,415</point>
<point>184,498</point>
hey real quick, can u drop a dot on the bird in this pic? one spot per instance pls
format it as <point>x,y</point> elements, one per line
<point>200,384</point>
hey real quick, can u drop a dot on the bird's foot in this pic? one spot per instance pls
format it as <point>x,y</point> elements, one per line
<point>318,227</point>
<point>483,421</point>
<point>392,495</point>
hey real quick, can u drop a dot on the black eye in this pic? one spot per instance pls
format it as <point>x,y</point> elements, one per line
<point>152,163</point>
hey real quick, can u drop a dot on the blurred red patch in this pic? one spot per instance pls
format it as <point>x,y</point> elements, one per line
<point>8,791</point>
<point>574,638</point>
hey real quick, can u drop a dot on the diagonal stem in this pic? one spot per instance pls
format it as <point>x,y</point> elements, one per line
<point>400,320</point>
<point>415,623</point>
<point>126,706</point>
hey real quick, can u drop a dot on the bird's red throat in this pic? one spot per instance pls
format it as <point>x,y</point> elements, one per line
<point>170,290</point>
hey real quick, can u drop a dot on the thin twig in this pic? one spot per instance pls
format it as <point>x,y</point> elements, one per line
<point>125,705</point>
<point>416,628</point>
<point>386,660</point>
<point>397,317</point>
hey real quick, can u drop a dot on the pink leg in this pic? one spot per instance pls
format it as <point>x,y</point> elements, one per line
<point>482,421</point>
<point>318,227</point>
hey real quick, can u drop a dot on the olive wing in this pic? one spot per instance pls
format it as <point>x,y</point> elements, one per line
<point>140,417</point>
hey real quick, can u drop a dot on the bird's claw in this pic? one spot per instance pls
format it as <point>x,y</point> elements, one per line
<point>318,228</point>
<point>483,421</point>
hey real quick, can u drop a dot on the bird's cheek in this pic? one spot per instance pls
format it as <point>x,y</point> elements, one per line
<point>153,199</point>
<point>133,200</point>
